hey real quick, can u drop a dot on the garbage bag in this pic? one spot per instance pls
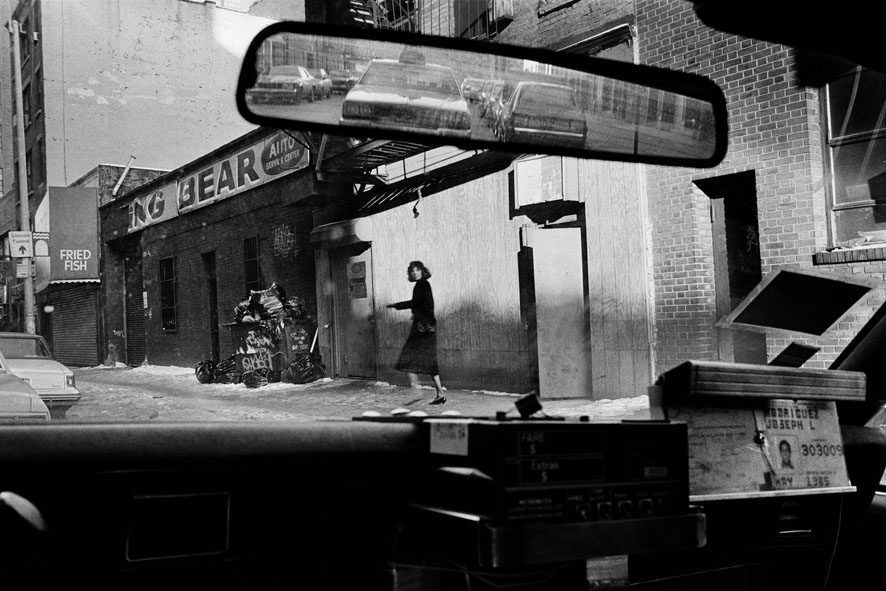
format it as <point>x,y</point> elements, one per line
<point>254,379</point>
<point>205,371</point>
<point>307,367</point>
<point>223,372</point>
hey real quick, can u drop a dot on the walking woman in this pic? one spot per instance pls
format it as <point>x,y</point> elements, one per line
<point>419,355</point>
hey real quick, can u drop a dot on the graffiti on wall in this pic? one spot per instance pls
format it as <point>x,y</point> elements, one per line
<point>284,241</point>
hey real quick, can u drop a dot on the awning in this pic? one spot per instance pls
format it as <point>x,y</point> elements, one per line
<point>344,233</point>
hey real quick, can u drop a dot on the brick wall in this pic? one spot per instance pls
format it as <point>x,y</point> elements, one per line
<point>774,131</point>
<point>557,23</point>
<point>285,255</point>
<point>222,228</point>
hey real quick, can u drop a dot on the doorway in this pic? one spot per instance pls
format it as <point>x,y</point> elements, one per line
<point>353,312</point>
<point>212,301</point>
<point>737,263</point>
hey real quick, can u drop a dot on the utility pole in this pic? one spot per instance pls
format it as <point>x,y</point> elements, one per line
<point>24,211</point>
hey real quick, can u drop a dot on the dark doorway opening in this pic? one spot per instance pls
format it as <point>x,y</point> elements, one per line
<point>212,301</point>
<point>737,263</point>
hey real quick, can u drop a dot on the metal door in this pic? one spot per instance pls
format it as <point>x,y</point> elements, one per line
<point>135,305</point>
<point>354,313</point>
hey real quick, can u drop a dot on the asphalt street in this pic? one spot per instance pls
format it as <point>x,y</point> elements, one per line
<point>159,393</point>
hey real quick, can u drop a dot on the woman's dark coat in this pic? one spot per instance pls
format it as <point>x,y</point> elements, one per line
<point>419,353</point>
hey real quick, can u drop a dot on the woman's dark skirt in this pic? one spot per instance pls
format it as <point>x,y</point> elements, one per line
<point>419,354</point>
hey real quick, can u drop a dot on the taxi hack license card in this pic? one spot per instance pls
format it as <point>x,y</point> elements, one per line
<point>764,448</point>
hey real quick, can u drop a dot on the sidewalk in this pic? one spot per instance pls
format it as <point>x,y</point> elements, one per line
<point>174,393</point>
<point>383,398</point>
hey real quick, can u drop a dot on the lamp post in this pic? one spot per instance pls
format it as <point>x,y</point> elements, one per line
<point>21,173</point>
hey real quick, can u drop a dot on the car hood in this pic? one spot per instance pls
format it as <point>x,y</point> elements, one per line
<point>414,98</point>
<point>25,367</point>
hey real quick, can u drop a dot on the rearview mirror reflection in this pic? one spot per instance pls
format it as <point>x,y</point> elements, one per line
<point>446,91</point>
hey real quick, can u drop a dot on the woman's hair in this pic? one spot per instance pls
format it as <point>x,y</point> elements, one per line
<point>425,272</point>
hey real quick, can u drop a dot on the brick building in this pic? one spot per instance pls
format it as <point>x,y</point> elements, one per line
<point>180,252</point>
<point>782,164</point>
<point>795,189</point>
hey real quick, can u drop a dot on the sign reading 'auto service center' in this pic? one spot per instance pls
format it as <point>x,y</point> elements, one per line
<point>265,161</point>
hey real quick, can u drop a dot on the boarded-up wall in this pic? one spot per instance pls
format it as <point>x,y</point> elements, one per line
<point>466,239</point>
<point>618,280</point>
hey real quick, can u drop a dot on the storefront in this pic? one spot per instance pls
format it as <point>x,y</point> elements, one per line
<point>181,252</point>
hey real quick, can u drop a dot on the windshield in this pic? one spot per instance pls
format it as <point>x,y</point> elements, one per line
<point>23,348</point>
<point>412,77</point>
<point>190,265</point>
<point>543,96</point>
<point>284,71</point>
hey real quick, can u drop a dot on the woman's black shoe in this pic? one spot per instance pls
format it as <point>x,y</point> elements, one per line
<point>438,400</point>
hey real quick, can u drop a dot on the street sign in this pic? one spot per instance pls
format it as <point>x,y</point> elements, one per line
<point>21,270</point>
<point>21,244</point>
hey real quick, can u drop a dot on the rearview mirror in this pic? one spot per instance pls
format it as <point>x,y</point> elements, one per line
<point>383,84</point>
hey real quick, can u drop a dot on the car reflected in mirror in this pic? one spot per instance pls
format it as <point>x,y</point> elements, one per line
<point>389,84</point>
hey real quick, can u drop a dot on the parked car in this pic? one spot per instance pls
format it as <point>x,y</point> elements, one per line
<point>28,356</point>
<point>342,80</point>
<point>324,81</point>
<point>19,402</point>
<point>543,112</point>
<point>404,95</point>
<point>284,84</point>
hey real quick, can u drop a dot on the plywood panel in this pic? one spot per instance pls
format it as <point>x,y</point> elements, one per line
<point>617,277</point>
<point>564,367</point>
<point>465,237</point>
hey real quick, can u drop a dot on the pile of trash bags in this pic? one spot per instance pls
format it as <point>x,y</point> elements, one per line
<point>307,367</point>
<point>271,308</point>
<point>269,304</point>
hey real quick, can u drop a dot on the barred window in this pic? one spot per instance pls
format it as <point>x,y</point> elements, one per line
<point>251,265</point>
<point>168,300</point>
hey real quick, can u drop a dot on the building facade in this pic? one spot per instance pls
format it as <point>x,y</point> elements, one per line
<point>90,95</point>
<point>792,192</point>
<point>182,251</point>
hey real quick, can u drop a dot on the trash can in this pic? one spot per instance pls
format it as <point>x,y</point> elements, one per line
<point>256,346</point>
<point>263,345</point>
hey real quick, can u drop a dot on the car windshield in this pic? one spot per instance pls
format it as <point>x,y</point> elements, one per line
<point>284,71</point>
<point>189,265</point>
<point>544,96</point>
<point>23,348</point>
<point>437,79</point>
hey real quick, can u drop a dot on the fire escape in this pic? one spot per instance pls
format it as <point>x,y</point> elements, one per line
<point>365,176</point>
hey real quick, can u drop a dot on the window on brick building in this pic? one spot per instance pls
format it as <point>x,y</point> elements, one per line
<point>29,170</point>
<point>25,40</point>
<point>856,140</point>
<point>251,266</point>
<point>26,104</point>
<point>168,300</point>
